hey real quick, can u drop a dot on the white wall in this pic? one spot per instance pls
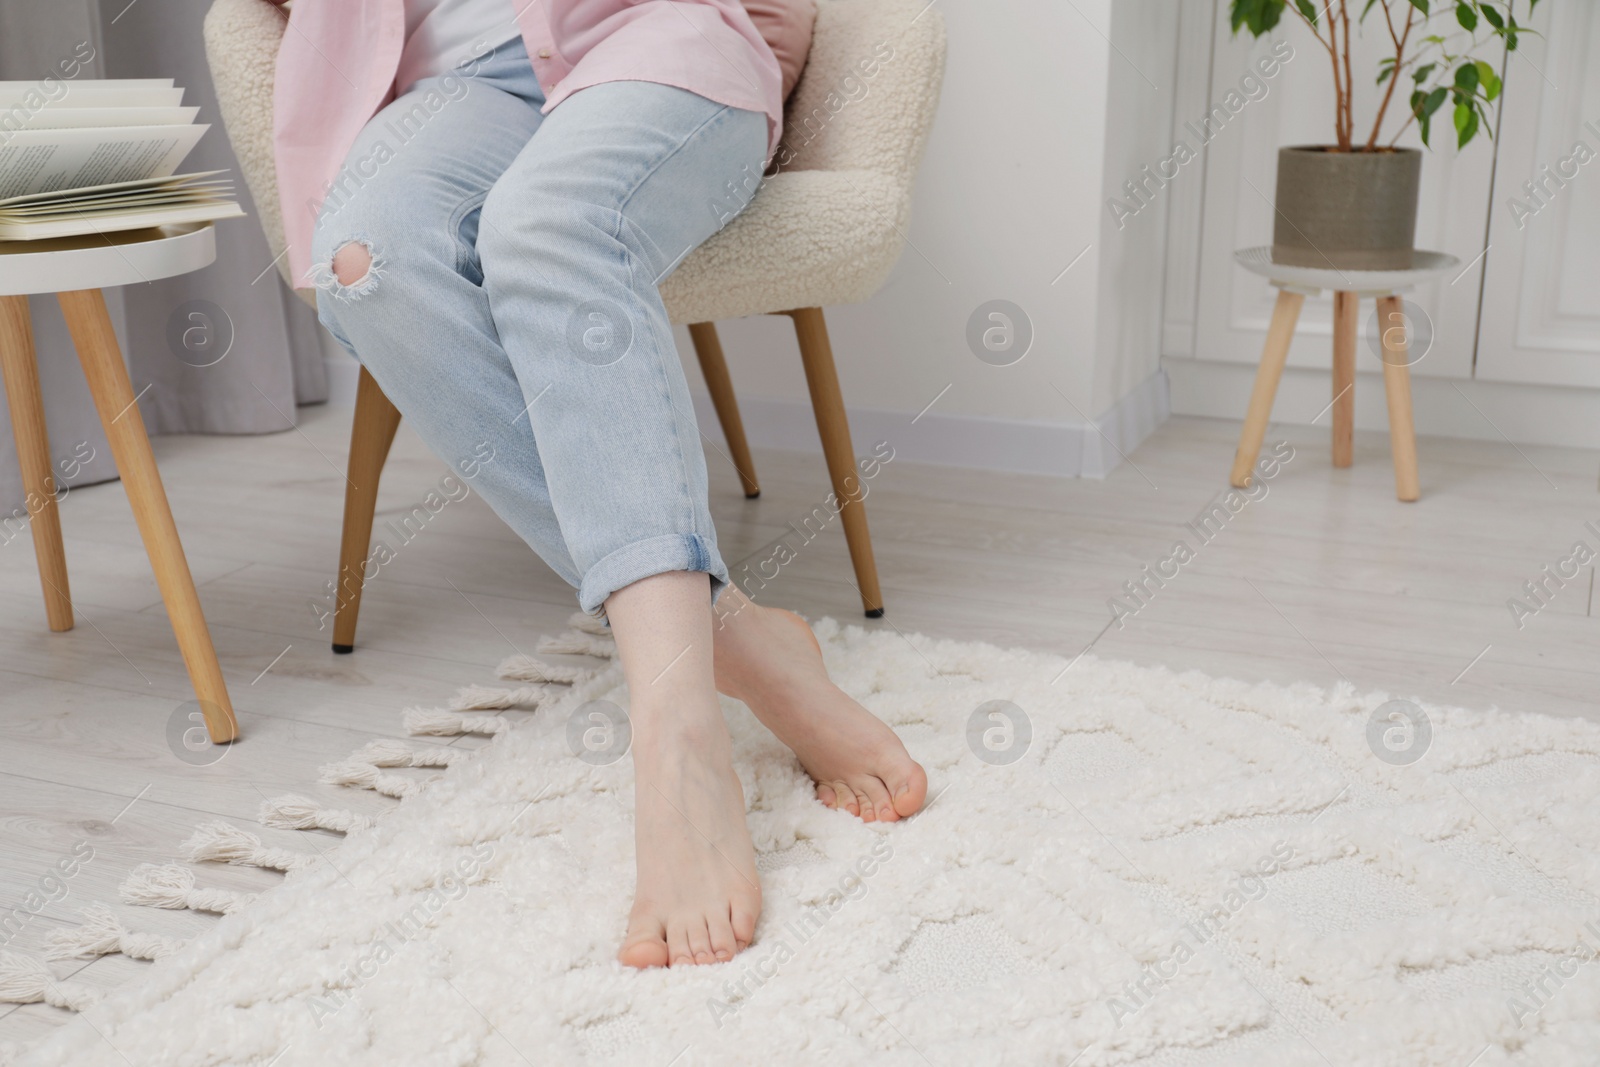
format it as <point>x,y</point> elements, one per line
<point>1039,116</point>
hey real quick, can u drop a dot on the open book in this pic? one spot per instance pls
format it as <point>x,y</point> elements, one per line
<point>101,156</point>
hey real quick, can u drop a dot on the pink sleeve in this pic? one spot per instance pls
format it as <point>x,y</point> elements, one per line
<point>786,27</point>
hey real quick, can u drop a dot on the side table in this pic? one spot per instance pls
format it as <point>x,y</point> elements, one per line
<point>1294,284</point>
<point>75,269</point>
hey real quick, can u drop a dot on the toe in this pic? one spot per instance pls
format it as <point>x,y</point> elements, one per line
<point>678,951</point>
<point>845,798</point>
<point>910,790</point>
<point>645,945</point>
<point>744,925</point>
<point>826,794</point>
<point>875,800</point>
<point>723,942</point>
<point>864,806</point>
<point>700,941</point>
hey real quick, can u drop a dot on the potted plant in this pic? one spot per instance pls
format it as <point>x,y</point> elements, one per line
<point>1352,204</point>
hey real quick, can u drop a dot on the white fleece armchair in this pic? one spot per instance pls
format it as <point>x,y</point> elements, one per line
<point>826,229</point>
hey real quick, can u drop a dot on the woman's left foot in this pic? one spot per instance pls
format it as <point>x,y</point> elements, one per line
<point>769,659</point>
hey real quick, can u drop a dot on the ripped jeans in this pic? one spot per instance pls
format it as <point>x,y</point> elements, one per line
<point>507,296</point>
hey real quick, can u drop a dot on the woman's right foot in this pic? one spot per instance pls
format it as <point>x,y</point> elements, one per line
<point>698,894</point>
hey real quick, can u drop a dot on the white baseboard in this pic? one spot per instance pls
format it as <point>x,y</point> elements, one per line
<point>1444,407</point>
<point>1069,448</point>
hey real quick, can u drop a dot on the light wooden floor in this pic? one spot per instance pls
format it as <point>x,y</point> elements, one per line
<point>1326,577</point>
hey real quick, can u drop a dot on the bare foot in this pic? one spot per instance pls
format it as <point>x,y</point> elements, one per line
<point>770,659</point>
<point>698,894</point>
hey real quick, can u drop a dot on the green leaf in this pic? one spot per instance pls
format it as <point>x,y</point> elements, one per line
<point>1488,79</point>
<point>1308,9</point>
<point>1420,5</point>
<point>1434,101</point>
<point>1257,16</point>
<point>1422,72</point>
<point>1383,75</point>
<point>1466,124</point>
<point>1466,16</point>
<point>1467,78</point>
<point>1492,16</point>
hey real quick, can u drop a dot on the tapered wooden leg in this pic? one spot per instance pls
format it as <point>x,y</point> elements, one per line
<point>371,434</point>
<point>1346,313</point>
<point>1397,387</point>
<point>709,348</point>
<point>1273,355</point>
<point>827,403</point>
<point>85,312</point>
<point>33,455</point>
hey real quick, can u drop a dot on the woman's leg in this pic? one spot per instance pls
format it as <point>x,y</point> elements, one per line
<point>619,184</point>
<point>399,281</point>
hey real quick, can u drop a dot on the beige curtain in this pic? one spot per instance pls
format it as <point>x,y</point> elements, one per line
<point>274,362</point>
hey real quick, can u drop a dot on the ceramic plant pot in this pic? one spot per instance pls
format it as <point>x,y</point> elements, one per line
<point>1346,210</point>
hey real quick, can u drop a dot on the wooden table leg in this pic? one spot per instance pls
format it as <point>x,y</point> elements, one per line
<point>1346,315</point>
<point>1273,356</point>
<point>1397,387</point>
<point>85,312</point>
<point>33,455</point>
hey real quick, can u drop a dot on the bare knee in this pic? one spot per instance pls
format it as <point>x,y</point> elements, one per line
<point>352,272</point>
<point>351,263</point>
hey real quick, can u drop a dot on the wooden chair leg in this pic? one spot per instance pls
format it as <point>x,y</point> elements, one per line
<point>1397,388</point>
<point>1273,355</point>
<point>827,403</point>
<point>33,455</point>
<point>715,368</point>
<point>1346,315</point>
<point>371,434</point>
<point>85,312</point>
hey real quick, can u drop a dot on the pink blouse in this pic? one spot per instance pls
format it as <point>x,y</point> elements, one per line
<point>337,63</point>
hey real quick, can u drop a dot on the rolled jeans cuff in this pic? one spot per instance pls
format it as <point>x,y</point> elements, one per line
<point>642,559</point>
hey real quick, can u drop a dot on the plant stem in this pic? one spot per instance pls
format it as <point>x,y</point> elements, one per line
<point>1347,134</point>
<point>1399,62</point>
<point>1333,54</point>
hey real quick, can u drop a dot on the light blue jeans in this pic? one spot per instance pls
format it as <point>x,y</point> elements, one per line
<point>511,307</point>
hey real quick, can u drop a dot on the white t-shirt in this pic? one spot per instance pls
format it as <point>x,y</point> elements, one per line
<point>440,34</point>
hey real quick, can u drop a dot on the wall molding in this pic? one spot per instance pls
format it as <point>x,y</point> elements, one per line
<point>1070,448</point>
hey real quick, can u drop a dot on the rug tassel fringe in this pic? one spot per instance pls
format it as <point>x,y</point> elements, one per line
<point>392,752</point>
<point>365,776</point>
<point>574,643</point>
<point>589,624</point>
<point>524,668</point>
<point>101,935</point>
<point>25,980</point>
<point>420,722</point>
<point>171,886</point>
<point>486,698</point>
<point>222,842</point>
<point>294,812</point>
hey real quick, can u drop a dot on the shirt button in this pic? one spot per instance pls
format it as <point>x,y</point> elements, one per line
<point>544,53</point>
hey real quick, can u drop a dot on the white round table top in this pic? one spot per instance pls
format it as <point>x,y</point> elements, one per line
<point>99,261</point>
<point>1427,266</point>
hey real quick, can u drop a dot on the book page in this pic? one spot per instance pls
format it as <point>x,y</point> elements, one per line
<point>30,97</point>
<point>38,161</point>
<point>63,118</point>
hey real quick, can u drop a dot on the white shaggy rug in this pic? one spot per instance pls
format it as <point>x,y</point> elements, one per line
<point>1179,870</point>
